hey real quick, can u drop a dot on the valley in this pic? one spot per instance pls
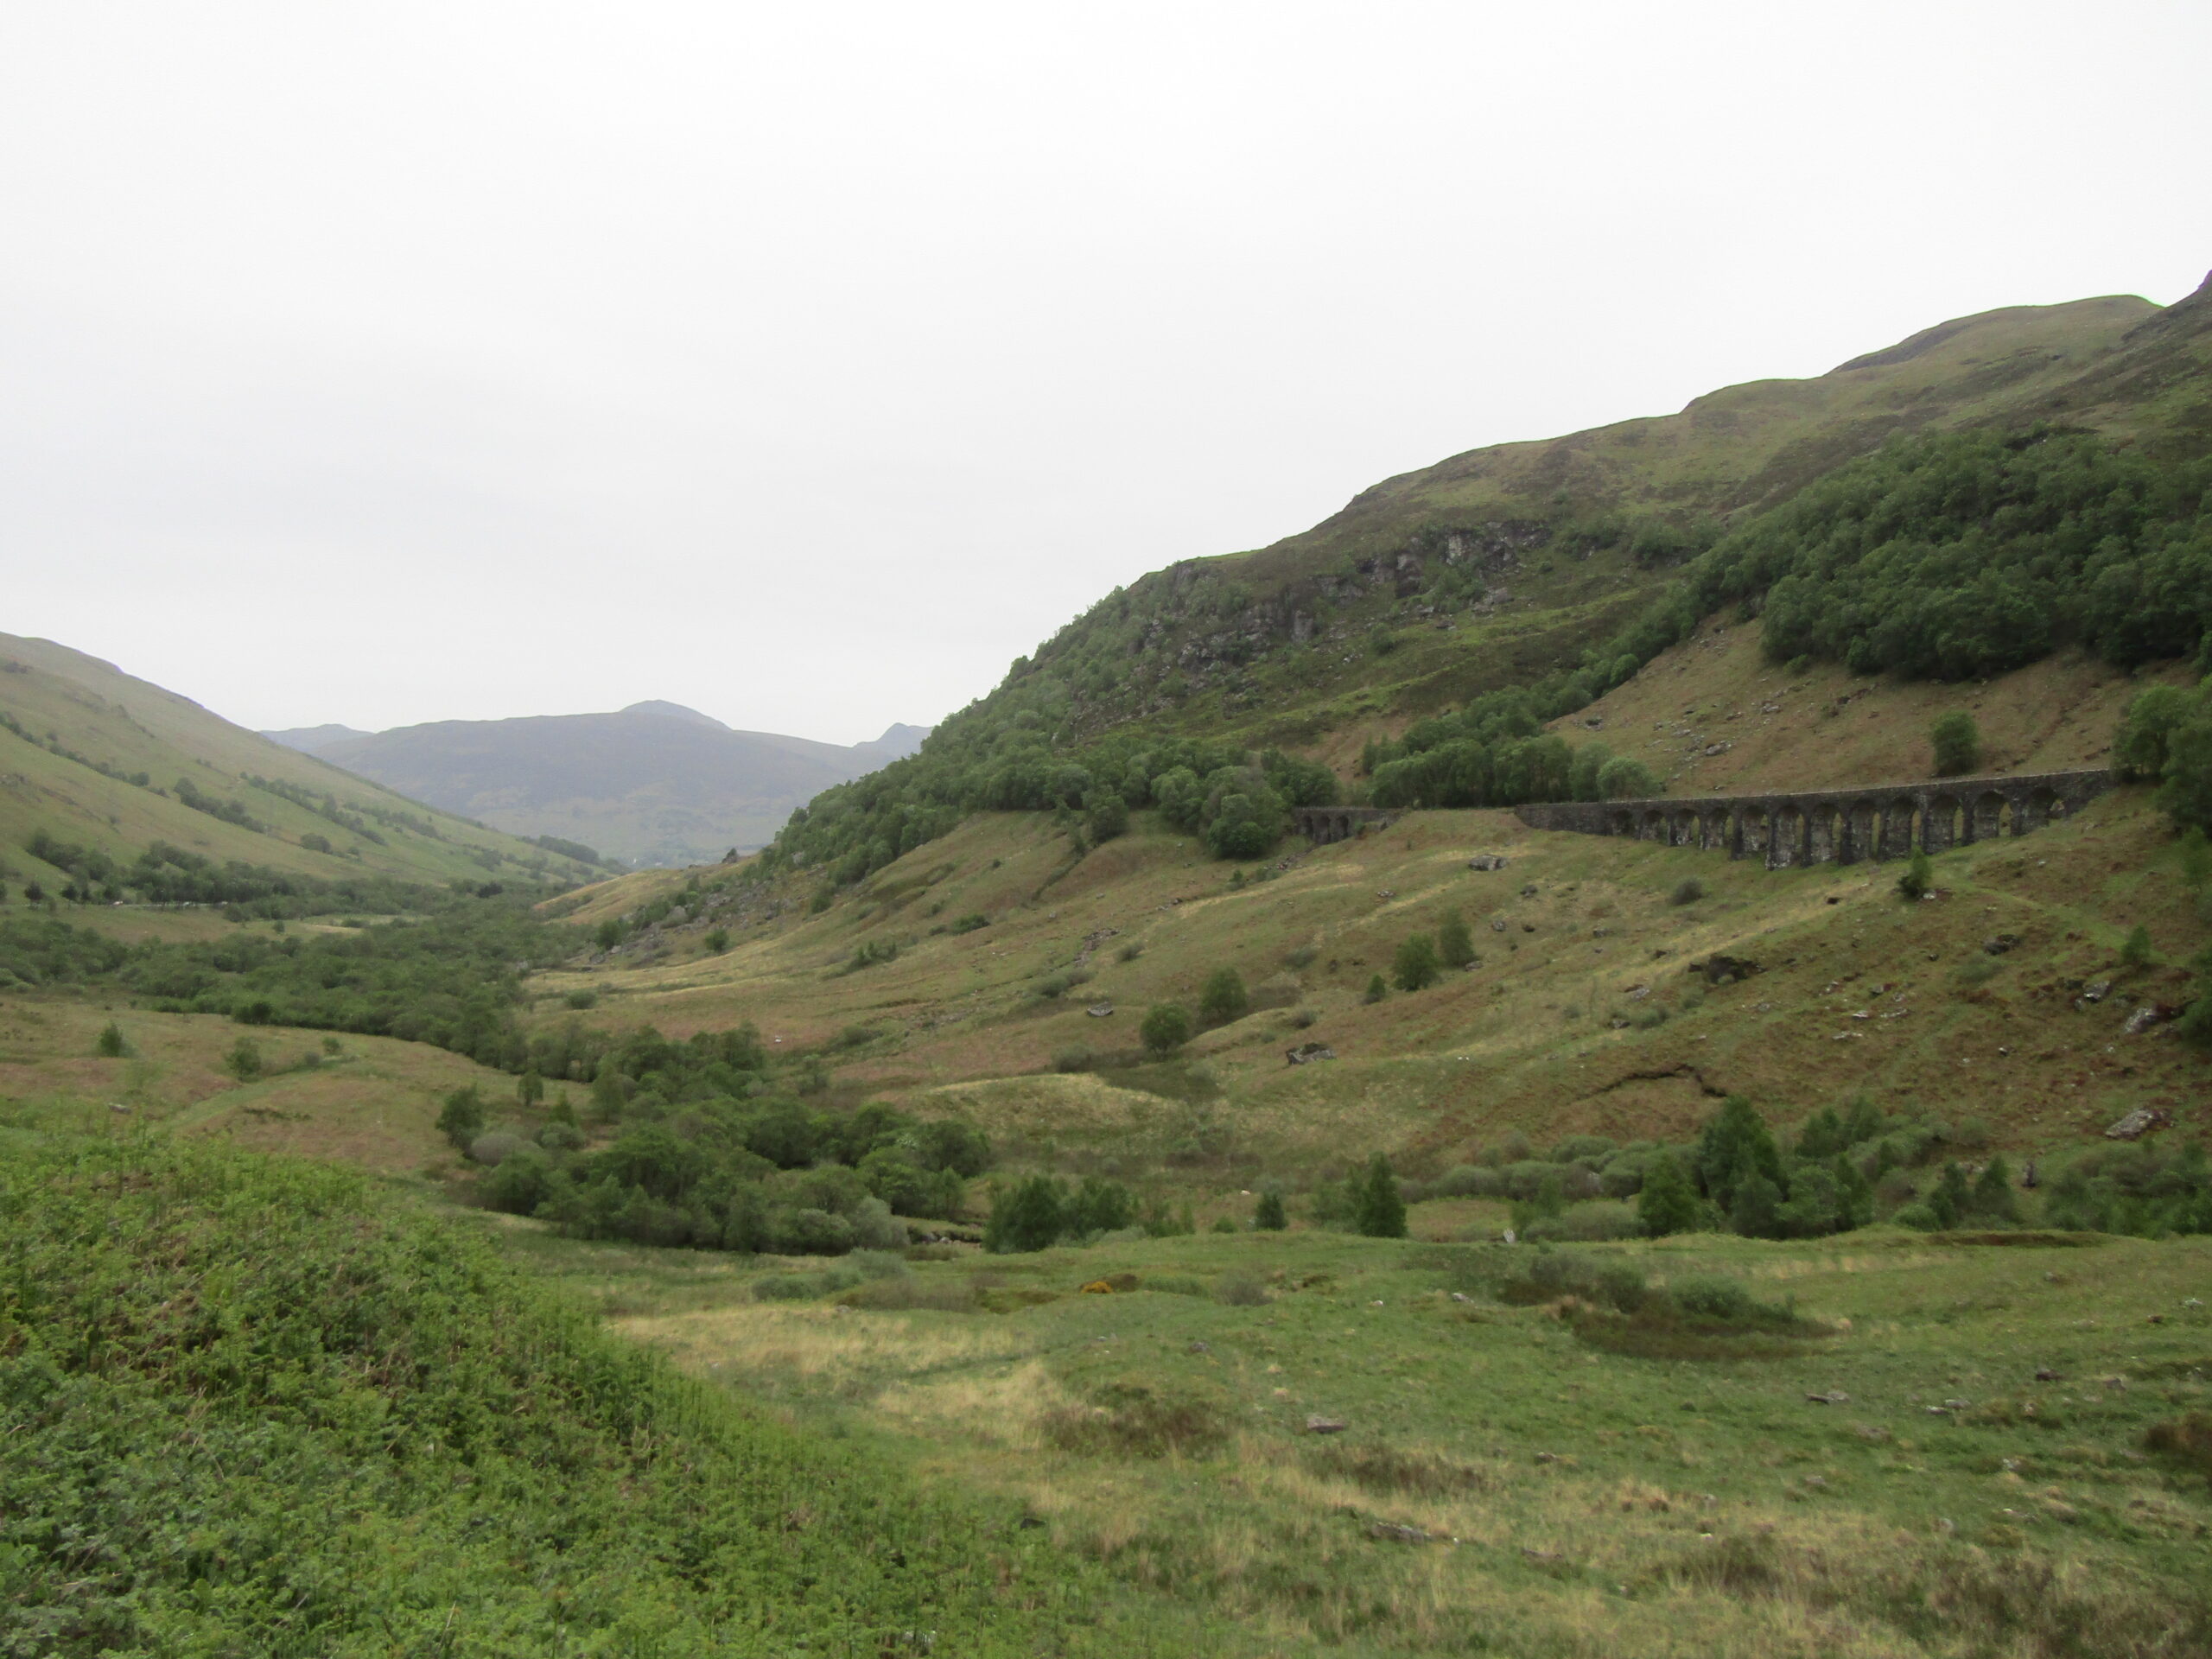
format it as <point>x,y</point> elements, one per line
<point>1039,1163</point>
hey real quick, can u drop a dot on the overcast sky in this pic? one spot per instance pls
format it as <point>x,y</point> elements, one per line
<point>805,363</point>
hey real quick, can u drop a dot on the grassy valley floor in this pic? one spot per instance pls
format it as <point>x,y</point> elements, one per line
<point>1503,1482</point>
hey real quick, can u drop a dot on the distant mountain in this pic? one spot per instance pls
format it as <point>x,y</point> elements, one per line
<point>896,744</point>
<point>654,783</point>
<point>312,740</point>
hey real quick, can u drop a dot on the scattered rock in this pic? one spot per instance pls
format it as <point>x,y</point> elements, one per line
<point>2044,1374</point>
<point>1832,1397</point>
<point>1497,925</point>
<point>1997,943</point>
<point>1719,748</point>
<point>1461,1296</point>
<point>1306,1053</point>
<point>1546,1456</point>
<point>2140,1123</point>
<point>1546,1556</point>
<point>1870,1431</point>
<point>2095,991</point>
<point>2150,1015</point>
<point>1486,861</point>
<point>1099,1010</point>
<point>1529,891</point>
<point>1318,1424</point>
<point>1389,1532</point>
<point>1201,1348</point>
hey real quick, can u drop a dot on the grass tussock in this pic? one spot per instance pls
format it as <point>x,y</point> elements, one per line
<point>1388,1471</point>
<point>2006,1600</point>
<point>1132,1419</point>
<point>1612,1306</point>
<point>2186,1441</point>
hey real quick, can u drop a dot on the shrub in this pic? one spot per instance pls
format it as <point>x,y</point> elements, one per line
<point>110,1044</point>
<point>717,940</point>
<point>1454,942</point>
<point>1956,741</point>
<point>243,1060</point>
<point>1379,1209</point>
<point>1417,966</point>
<point>1593,1221</point>
<point>1377,990</point>
<point>581,998</point>
<point>1109,816</point>
<point>2139,750</point>
<point>1241,1290</point>
<point>494,1149</point>
<point>1714,1297</point>
<point>1074,1058</point>
<point>1224,999</point>
<point>1130,951</point>
<point>1166,1027</point>
<point>1301,957</point>
<point>1622,779</point>
<point>2135,951</point>
<point>1688,891</point>
<point>969,923</point>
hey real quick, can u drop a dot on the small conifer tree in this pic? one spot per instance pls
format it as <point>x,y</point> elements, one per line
<point>1377,990</point>
<point>1267,1215</point>
<point>1918,880</point>
<point>1381,1208</point>
<point>1667,1203</point>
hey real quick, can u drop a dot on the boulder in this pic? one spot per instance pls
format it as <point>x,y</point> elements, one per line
<point>1306,1053</point>
<point>1486,861</point>
<point>1391,1533</point>
<point>2140,1123</point>
<point>1318,1424</point>
<point>1100,1010</point>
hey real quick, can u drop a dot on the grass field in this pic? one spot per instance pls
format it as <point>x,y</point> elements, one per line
<point>1502,1483</point>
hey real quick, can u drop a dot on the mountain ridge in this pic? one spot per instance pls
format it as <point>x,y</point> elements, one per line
<point>654,783</point>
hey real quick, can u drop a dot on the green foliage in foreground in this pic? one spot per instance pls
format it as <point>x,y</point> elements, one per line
<point>767,1173</point>
<point>255,1409</point>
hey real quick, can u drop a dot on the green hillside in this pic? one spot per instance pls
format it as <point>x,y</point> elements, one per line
<point>97,760</point>
<point>1519,582</point>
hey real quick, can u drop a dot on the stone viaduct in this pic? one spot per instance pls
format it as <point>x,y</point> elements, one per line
<point>1323,824</point>
<point>1836,826</point>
